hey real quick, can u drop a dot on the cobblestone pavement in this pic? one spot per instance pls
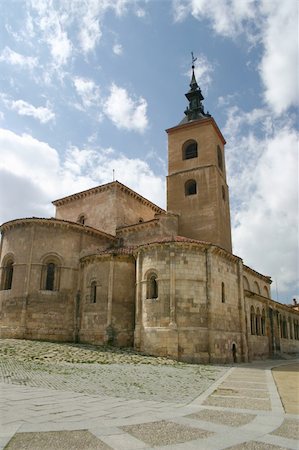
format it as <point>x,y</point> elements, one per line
<point>240,410</point>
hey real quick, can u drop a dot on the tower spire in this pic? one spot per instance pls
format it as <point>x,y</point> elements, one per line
<point>195,110</point>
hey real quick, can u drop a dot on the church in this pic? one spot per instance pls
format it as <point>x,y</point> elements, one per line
<point>114,268</point>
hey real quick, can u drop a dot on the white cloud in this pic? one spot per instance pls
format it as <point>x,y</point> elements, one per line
<point>227,17</point>
<point>34,168</point>
<point>262,161</point>
<point>118,49</point>
<point>9,56</point>
<point>88,91</point>
<point>125,112</point>
<point>279,66</point>
<point>41,113</point>
<point>273,24</point>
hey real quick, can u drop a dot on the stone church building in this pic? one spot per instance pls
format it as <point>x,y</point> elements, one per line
<point>112,267</point>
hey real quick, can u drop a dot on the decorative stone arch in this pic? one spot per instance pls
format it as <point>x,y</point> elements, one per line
<point>190,149</point>
<point>7,270</point>
<point>256,288</point>
<point>190,187</point>
<point>152,290</point>
<point>51,271</point>
<point>246,284</point>
<point>82,219</point>
<point>266,292</point>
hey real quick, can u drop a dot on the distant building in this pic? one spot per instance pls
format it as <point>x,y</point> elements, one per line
<point>114,267</point>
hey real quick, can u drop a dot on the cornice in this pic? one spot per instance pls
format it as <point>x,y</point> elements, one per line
<point>267,300</point>
<point>137,226</point>
<point>51,222</point>
<point>99,255</point>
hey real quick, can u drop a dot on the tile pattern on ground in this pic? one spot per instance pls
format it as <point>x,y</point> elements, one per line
<point>165,433</point>
<point>54,440</point>
<point>289,428</point>
<point>223,417</point>
<point>252,445</point>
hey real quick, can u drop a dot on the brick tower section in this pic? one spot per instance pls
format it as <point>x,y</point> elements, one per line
<point>196,183</point>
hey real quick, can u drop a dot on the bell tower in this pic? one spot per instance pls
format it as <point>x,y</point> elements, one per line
<point>196,181</point>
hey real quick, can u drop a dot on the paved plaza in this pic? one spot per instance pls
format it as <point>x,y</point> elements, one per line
<point>243,409</point>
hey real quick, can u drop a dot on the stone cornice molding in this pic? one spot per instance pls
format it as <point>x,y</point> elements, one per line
<point>270,302</point>
<point>51,222</point>
<point>198,123</point>
<point>137,226</point>
<point>255,273</point>
<point>106,254</point>
<point>105,187</point>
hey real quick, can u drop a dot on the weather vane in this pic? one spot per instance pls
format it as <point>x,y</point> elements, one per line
<point>193,59</point>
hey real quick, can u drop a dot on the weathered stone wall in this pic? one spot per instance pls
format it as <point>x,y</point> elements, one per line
<point>188,320</point>
<point>28,310</point>
<point>162,226</point>
<point>110,316</point>
<point>106,208</point>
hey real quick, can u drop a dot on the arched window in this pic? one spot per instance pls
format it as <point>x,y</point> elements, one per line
<point>263,323</point>
<point>284,328</point>
<point>223,192</point>
<point>222,293</point>
<point>81,219</point>
<point>190,187</point>
<point>281,326</point>
<point>190,150</point>
<point>7,275</point>
<point>50,274</point>
<point>246,283</point>
<point>252,320</point>
<point>93,292</point>
<point>50,277</point>
<point>219,158</point>
<point>258,322</point>
<point>152,286</point>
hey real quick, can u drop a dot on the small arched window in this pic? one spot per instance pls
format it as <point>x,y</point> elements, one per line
<point>291,328</point>
<point>50,276</point>
<point>190,187</point>
<point>81,219</point>
<point>152,286</point>
<point>50,273</point>
<point>222,293</point>
<point>7,275</point>
<point>93,292</point>
<point>190,150</point>
<point>219,158</point>
<point>252,320</point>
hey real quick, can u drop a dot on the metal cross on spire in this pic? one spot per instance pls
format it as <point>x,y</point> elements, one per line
<point>193,60</point>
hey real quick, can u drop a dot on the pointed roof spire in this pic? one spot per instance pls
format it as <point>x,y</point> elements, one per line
<point>195,110</point>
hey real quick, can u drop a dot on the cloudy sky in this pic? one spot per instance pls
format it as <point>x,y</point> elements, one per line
<point>89,86</point>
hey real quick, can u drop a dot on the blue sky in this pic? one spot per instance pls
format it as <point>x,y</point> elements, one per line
<point>88,87</point>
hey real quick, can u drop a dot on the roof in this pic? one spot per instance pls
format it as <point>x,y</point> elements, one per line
<point>105,187</point>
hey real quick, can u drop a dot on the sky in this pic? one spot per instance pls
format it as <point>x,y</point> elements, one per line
<point>88,87</point>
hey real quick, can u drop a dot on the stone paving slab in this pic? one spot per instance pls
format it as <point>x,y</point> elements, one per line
<point>210,422</point>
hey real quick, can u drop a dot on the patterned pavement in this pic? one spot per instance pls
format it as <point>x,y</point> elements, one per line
<point>241,410</point>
